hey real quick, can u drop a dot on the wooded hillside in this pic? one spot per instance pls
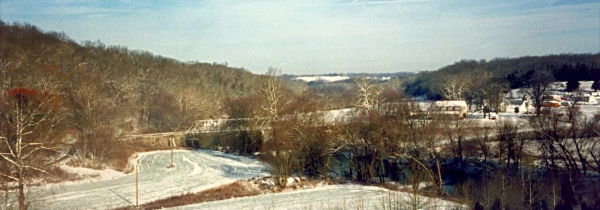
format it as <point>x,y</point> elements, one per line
<point>514,71</point>
<point>110,85</point>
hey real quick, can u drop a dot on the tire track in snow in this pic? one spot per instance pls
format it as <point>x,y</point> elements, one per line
<point>196,168</point>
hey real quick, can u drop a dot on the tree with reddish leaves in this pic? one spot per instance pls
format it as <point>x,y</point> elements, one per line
<point>29,122</point>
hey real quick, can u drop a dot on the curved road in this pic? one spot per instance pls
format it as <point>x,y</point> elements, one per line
<point>194,171</point>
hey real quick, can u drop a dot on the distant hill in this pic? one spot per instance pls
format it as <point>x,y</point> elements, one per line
<point>513,70</point>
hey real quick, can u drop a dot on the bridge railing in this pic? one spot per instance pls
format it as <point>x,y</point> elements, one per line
<point>224,125</point>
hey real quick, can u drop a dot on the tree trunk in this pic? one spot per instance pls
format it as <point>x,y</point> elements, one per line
<point>460,150</point>
<point>440,180</point>
<point>382,174</point>
<point>21,189</point>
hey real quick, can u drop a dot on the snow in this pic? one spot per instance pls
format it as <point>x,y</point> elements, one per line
<point>194,171</point>
<point>450,103</point>
<point>323,78</point>
<point>328,197</point>
<point>200,170</point>
<point>338,115</point>
<point>99,174</point>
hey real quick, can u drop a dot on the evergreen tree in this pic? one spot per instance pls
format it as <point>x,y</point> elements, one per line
<point>496,205</point>
<point>584,206</point>
<point>567,195</point>
<point>544,204</point>
<point>596,85</point>
<point>478,206</point>
<point>572,84</point>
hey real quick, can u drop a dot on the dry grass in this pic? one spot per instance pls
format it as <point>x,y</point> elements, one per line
<point>254,186</point>
<point>233,190</point>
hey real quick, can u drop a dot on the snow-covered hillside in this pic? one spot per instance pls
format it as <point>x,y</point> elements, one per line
<point>330,197</point>
<point>322,78</point>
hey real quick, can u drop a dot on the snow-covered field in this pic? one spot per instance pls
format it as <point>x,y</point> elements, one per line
<point>322,78</point>
<point>194,171</point>
<point>330,197</point>
<point>199,170</point>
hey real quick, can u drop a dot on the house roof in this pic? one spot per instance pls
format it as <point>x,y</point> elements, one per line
<point>450,103</point>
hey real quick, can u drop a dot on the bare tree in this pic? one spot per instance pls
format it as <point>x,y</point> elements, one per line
<point>273,92</point>
<point>483,140</point>
<point>494,92</point>
<point>364,141</point>
<point>539,82</point>
<point>455,130</point>
<point>511,142</point>
<point>312,139</point>
<point>455,86</point>
<point>417,141</point>
<point>365,135</point>
<point>244,112</point>
<point>368,93</point>
<point>583,141</point>
<point>30,120</point>
<point>418,174</point>
<point>277,148</point>
<point>93,116</point>
<point>477,88</point>
<point>189,105</point>
<point>572,144</point>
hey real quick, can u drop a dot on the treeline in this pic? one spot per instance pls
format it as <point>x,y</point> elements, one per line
<point>151,92</point>
<point>549,161</point>
<point>514,71</point>
<point>61,99</point>
<point>99,93</point>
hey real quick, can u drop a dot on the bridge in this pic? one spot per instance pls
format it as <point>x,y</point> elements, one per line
<point>198,128</point>
<point>202,128</point>
<point>234,125</point>
<point>226,125</point>
<point>204,131</point>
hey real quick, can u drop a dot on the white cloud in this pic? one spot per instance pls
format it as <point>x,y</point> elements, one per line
<point>79,10</point>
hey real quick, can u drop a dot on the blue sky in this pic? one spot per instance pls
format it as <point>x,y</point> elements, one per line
<point>318,36</point>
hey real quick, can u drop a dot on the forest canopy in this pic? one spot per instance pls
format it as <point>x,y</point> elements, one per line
<point>514,71</point>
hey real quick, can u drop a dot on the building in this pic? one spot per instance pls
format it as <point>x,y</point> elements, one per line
<point>455,108</point>
<point>587,98</point>
<point>551,104</point>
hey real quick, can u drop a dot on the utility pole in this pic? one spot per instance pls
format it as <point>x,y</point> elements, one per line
<point>136,186</point>
<point>172,143</point>
<point>171,166</point>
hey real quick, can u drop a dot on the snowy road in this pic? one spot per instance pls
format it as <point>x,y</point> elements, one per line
<point>329,197</point>
<point>194,171</point>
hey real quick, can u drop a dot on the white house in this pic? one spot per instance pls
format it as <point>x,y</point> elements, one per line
<point>456,108</point>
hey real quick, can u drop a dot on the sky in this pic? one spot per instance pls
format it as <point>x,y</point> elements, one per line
<point>319,36</point>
